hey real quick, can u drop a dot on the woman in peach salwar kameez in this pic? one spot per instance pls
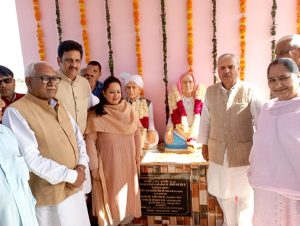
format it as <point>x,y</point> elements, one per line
<point>114,144</point>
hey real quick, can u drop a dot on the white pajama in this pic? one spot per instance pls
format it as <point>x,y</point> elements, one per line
<point>71,212</point>
<point>230,184</point>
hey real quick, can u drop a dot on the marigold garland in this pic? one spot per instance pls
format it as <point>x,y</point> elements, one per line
<point>84,30</point>
<point>273,29</point>
<point>58,21</point>
<point>108,29</point>
<point>165,51</point>
<point>298,16</point>
<point>242,39</point>
<point>189,6</point>
<point>179,115</point>
<point>214,40</point>
<point>39,30</point>
<point>142,111</point>
<point>137,36</point>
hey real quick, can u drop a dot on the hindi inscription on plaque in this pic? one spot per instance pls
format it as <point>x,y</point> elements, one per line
<point>165,194</point>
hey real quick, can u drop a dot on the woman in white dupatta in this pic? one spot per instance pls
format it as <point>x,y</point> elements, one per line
<point>274,169</point>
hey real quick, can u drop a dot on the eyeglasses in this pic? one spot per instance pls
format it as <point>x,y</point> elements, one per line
<point>46,78</point>
<point>284,52</point>
<point>6,80</point>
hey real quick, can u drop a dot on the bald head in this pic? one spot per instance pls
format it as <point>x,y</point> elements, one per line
<point>289,46</point>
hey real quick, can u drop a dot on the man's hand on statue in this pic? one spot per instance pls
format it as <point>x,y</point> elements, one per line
<point>205,152</point>
<point>80,176</point>
<point>169,137</point>
<point>95,174</point>
<point>151,136</point>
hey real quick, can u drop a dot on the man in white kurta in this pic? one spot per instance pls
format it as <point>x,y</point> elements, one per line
<point>143,107</point>
<point>57,161</point>
<point>228,116</point>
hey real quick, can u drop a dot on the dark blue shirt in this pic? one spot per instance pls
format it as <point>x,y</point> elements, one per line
<point>98,89</point>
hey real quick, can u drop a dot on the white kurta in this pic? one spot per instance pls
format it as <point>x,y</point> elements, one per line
<point>224,182</point>
<point>51,171</point>
<point>274,164</point>
<point>16,200</point>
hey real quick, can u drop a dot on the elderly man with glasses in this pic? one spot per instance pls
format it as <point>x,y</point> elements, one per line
<point>7,86</point>
<point>53,149</point>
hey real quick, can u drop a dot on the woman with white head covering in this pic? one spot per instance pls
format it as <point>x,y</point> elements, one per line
<point>143,108</point>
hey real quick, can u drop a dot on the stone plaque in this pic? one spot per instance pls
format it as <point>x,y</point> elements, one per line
<point>165,194</point>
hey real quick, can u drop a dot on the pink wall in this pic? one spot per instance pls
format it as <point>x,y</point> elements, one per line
<point>258,51</point>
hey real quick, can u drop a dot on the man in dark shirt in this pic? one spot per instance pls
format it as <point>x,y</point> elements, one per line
<point>96,86</point>
<point>7,86</point>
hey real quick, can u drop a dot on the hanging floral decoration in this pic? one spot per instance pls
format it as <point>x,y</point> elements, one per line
<point>84,30</point>
<point>273,29</point>
<point>189,7</point>
<point>298,16</point>
<point>242,39</point>
<point>165,51</point>
<point>58,21</point>
<point>137,36</point>
<point>108,29</point>
<point>214,40</point>
<point>39,30</point>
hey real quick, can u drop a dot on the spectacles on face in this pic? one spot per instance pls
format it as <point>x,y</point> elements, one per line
<point>6,80</point>
<point>46,78</point>
<point>283,53</point>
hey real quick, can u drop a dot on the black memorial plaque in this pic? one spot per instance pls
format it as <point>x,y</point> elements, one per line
<point>165,194</point>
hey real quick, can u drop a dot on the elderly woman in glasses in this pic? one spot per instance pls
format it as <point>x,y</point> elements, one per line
<point>274,169</point>
<point>7,86</point>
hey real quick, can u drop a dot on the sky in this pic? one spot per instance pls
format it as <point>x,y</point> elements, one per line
<point>10,46</point>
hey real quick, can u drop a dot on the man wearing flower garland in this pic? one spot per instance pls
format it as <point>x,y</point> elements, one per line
<point>289,46</point>
<point>230,111</point>
<point>143,108</point>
